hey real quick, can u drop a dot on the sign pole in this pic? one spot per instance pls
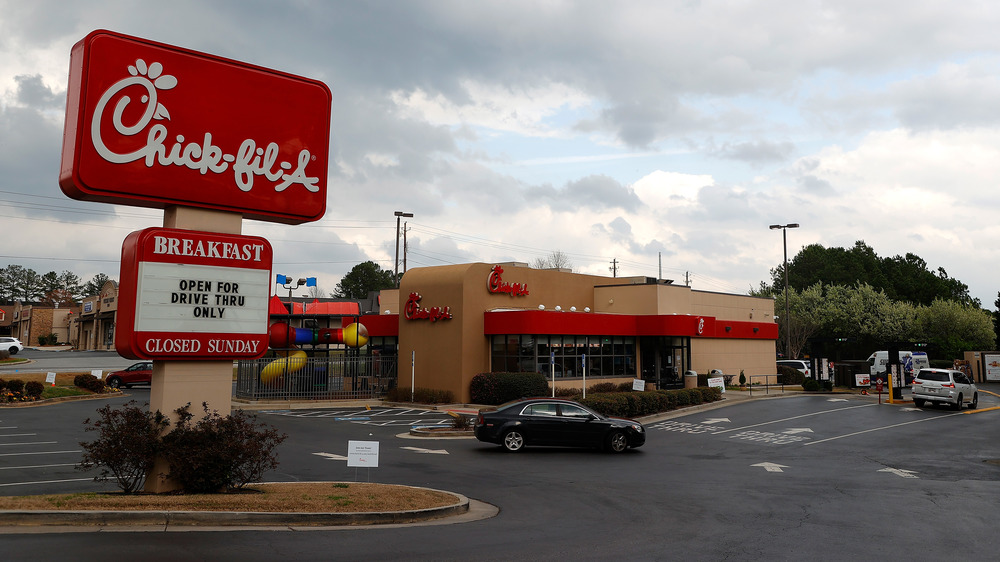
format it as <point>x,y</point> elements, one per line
<point>413,374</point>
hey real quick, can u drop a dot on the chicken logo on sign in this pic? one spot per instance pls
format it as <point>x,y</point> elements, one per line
<point>248,161</point>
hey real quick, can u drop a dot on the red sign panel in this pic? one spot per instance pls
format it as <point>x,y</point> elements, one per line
<point>153,125</point>
<point>186,294</point>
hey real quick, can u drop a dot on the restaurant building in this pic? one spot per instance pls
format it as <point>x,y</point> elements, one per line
<point>453,322</point>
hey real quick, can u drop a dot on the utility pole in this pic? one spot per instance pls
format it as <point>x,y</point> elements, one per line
<point>396,264</point>
<point>614,267</point>
<point>405,247</point>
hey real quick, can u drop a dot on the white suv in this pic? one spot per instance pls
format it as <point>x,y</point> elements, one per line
<point>802,366</point>
<point>945,386</point>
<point>10,344</point>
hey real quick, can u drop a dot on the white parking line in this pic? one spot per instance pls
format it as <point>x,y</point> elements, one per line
<point>793,418</point>
<point>37,466</point>
<point>36,453</point>
<point>45,482</point>
<point>19,435</point>
<point>881,428</point>
<point>31,443</point>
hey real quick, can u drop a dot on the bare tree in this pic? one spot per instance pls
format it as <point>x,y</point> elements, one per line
<point>556,260</point>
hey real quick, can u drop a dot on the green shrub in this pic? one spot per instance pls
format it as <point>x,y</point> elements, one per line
<point>790,375</point>
<point>624,387</point>
<point>564,392</point>
<point>497,388</point>
<point>219,453</point>
<point>15,385</point>
<point>89,382</point>
<point>3,384</point>
<point>420,395</point>
<point>604,387</point>
<point>695,396</point>
<point>34,389</point>
<point>128,440</point>
<point>810,385</point>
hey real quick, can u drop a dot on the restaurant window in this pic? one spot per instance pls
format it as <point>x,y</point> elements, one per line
<point>569,356</point>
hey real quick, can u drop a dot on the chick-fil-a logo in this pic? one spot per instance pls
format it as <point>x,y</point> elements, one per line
<point>496,284</point>
<point>248,162</point>
<point>413,311</point>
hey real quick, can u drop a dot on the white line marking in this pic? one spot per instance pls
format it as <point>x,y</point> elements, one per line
<point>795,418</point>
<point>37,466</point>
<point>38,453</point>
<point>31,443</point>
<point>45,482</point>
<point>881,428</point>
<point>19,435</point>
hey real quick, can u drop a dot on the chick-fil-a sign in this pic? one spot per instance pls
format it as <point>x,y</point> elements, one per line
<point>413,311</point>
<point>496,284</point>
<point>154,125</point>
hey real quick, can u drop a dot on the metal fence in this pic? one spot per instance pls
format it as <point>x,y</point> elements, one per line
<point>337,377</point>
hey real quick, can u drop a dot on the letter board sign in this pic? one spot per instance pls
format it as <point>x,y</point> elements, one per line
<point>194,295</point>
<point>153,125</point>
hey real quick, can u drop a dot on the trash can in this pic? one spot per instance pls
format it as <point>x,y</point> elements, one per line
<point>690,379</point>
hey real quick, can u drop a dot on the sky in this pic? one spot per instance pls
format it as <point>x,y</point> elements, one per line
<point>664,137</point>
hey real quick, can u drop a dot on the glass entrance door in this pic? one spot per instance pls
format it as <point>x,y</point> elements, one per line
<point>664,360</point>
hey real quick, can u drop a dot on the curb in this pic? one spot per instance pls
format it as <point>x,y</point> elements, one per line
<point>85,518</point>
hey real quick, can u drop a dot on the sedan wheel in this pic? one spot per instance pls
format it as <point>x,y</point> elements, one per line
<point>975,401</point>
<point>617,442</point>
<point>114,382</point>
<point>513,441</point>
<point>918,402</point>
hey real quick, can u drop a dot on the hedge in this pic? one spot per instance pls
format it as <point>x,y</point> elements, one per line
<point>790,375</point>
<point>497,388</point>
<point>637,404</point>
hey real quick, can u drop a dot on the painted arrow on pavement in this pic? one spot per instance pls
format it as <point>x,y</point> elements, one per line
<point>426,451</point>
<point>795,430</point>
<point>331,456</point>
<point>716,420</point>
<point>771,467</point>
<point>837,400</point>
<point>900,472</point>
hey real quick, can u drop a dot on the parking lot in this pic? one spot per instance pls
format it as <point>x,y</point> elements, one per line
<point>758,478</point>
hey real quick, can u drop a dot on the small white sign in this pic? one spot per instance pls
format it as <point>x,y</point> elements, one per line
<point>97,373</point>
<point>719,382</point>
<point>362,453</point>
<point>638,384</point>
<point>862,380</point>
<point>50,378</point>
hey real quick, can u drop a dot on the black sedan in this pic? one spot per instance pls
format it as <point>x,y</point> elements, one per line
<point>551,421</point>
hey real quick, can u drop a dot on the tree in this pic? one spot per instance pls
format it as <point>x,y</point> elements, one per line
<point>996,321</point>
<point>556,260</point>
<point>902,278</point>
<point>362,279</point>
<point>94,286</point>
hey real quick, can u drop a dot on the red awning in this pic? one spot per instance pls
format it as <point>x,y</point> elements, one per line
<point>278,307</point>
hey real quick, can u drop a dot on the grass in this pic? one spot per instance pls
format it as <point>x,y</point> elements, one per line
<point>297,497</point>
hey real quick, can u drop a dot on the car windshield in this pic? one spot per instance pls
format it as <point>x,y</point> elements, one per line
<point>936,376</point>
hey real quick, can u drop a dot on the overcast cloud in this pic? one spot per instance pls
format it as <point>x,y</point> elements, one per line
<point>607,131</point>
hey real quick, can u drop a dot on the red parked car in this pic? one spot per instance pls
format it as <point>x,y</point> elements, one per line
<point>137,373</point>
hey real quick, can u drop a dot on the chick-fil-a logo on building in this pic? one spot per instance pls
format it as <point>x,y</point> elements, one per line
<point>154,125</point>
<point>496,284</point>
<point>413,311</point>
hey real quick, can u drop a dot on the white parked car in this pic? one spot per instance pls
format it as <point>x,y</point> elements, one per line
<point>944,386</point>
<point>13,345</point>
<point>799,364</point>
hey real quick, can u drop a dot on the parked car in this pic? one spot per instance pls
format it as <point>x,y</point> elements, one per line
<point>555,422</point>
<point>136,373</point>
<point>13,345</point>
<point>944,386</point>
<point>799,364</point>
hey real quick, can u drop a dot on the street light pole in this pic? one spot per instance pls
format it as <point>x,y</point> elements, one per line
<point>398,214</point>
<point>784,243</point>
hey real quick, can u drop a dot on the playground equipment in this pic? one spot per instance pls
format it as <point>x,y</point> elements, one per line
<point>281,335</point>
